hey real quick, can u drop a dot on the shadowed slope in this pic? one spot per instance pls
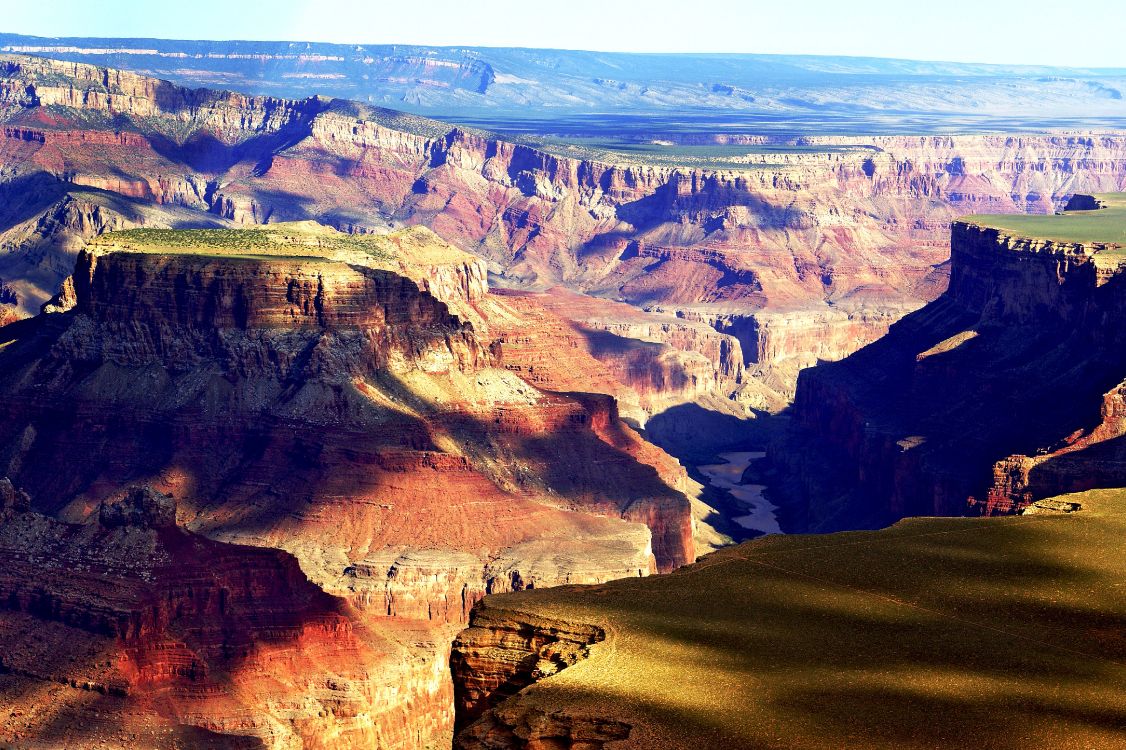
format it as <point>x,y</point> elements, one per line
<point>342,398</point>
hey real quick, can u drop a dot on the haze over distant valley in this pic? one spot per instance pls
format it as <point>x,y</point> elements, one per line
<point>540,91</point>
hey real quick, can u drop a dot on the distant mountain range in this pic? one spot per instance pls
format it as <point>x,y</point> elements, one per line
<point>510,86</point>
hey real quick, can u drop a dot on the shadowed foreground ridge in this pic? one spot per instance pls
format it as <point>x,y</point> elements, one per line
<point>998,633</point>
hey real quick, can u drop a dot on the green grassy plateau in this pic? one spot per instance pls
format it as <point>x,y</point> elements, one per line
<point>935,633</point>
<point>297,240</point>
<point>1104,225</point>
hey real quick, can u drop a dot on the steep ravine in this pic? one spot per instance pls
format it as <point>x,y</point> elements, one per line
<point>757,514</point>
<point>1006,390</point>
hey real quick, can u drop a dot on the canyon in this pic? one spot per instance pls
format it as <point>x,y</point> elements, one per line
<point>756,512</point>
<point>297,389</point>
<point>1003,397</point>
<point>800,253</point>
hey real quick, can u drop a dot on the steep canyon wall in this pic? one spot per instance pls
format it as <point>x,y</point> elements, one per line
<point>1005,390</point>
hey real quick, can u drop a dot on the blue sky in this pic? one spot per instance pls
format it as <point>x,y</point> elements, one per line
<point>1087,33</point>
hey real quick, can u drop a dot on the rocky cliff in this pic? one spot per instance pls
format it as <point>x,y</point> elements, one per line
<point>647,361</point>
<point>345,399</point>
<point>497,657</point>
<point>130,631</point>
<point>803,252</point>
<point>1004,390</point>
<point>367,343</point>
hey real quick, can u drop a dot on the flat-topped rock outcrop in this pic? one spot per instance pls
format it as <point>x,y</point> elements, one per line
<point>344,399</point>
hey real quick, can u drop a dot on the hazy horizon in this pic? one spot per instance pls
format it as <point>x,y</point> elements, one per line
<point>958,31</point>
<point>685,53</point>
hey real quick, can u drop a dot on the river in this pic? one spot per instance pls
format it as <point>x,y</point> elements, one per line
<point>760,515</point>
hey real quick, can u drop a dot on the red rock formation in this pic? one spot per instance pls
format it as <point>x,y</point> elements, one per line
<point>351,409</point>
<point>145,635</point>
<point>667,360</point>
<point>842,241</point>
<point>495,658</point>
<point>229,355</point>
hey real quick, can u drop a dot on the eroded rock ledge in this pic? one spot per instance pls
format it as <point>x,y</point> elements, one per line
<point>495,657</point>
<point>500,654</point>
<point>934,632</point>
<point>523,729</point>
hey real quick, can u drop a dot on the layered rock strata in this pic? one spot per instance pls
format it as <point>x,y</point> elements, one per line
<point>842,235</point>
<point>130,632</point>
<point>345,400</point>
<point>371,350</point>
<point>495,658</point>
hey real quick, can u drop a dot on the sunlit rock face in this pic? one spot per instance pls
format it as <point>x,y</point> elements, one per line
<point>348,379</point>
<point>129,631</point>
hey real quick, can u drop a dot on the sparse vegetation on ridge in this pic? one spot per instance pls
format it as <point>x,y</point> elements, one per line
<point>936,632</point>
<point>655,152</point>
<point>283,239</point>
<point>1105,225</point>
